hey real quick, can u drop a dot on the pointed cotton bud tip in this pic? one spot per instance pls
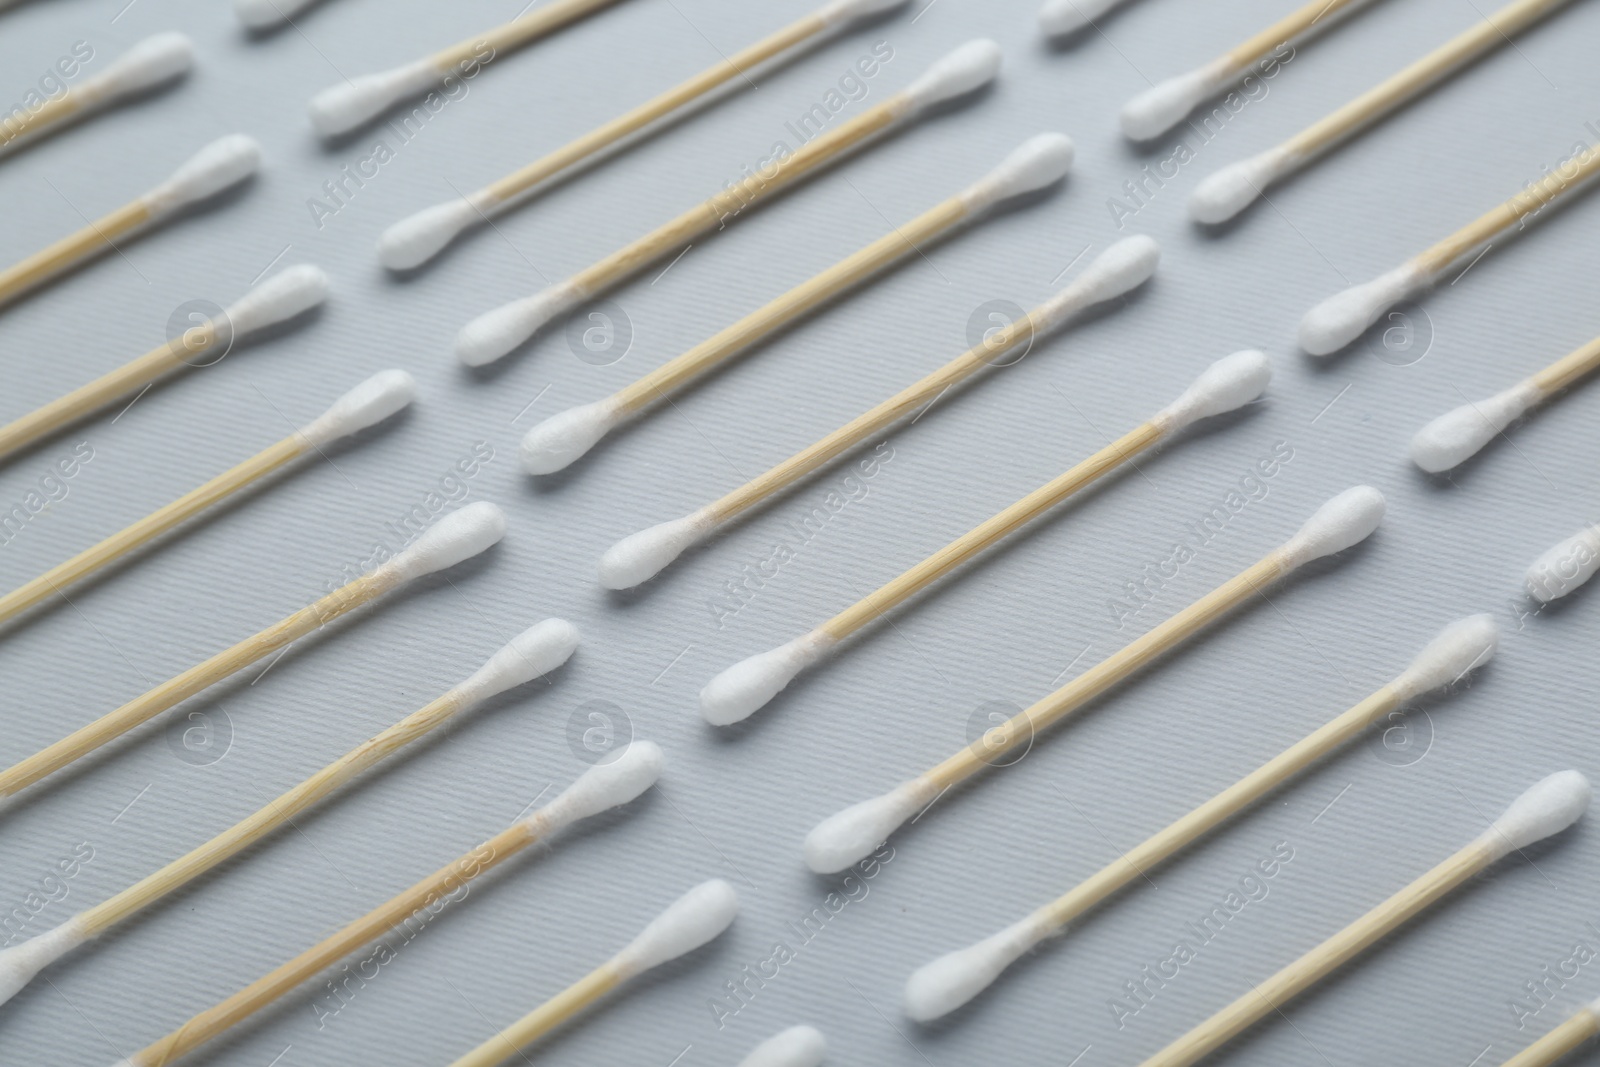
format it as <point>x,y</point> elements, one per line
<point>1229,383</point>
<point>1456,436</point>
<point>1549,806</point>
<point>695,918</point>
<point>743,688</point>
<point>20,963</point>
<point>1123,267</point>
<point>458,536</point>
<point>1166,103</point>
<point>969,67</point>
<point>278,299</point>
<point>368,404</point>
<point>1346,520</point>
<point>939,988</point>
<point>414,240</point>
<point>849,836</point>
<point>533,653</point>
<point>224,162</point>
<point>841,11</point>
<point>496,333</point>
<point>798,1046</point>
<point>639,557</point>
<point>1039,161</point>
<point>341,108</point>
<point>1464,645</point>
<point>606,785</point>
<point>563,438</point>
<point>156,59</point>
<point>1345,316</point>
<point>1565,566</point>
<point>1057,18</point>
<point>264,14</point>
<point>1223,194</point>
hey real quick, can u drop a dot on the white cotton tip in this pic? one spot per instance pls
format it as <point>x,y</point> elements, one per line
<point>1464,645</point>
<point>278,299</point>
<point>1344,316</point>
<point>264,14</point>
<point>849,836</point>
<point>1165,104</point>
<point>533,653</point>
<point>1057,18</point>
<point>1223,194</point>
<point>1039,161</point>
<point>564,437</point>
<point>969,67</point>
<point>798,1046</point>
<point>1549,806</point>
<point>458,536</point>
<point>495,333</point>
<point>939,988</point>
<point>1347,519</point>
<point>744,687</point>
<point>368,404</point>
<point>848,10</point>
<point>20,963</point>
<point>1123,267</point>
<point>1456,436</point>
<point>417,238</point>
<point>639,557</point>
<point>154,60</point>
<point>1565,566</point>
<point>1229,383</point>
<point>694,918</point>
<point>341,108</point>
<point>224,162</point>
<point>606,785</point>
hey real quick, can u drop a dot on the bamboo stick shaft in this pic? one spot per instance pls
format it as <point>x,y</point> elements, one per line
<point>151,526</point>
<point>893,246</point>
<point>1568,1037</point>
<point>989,531</point>
<point>545,19</point>
<point>93,238</point>
<point>1113,669</point>
<point>1271,995</point>
<point>1568,369</point>
<point>543,1019</point>
<point>174,691</point>
<point>285,978</point>
<point>1285,29</point>
<point>54,112</point>
<point>96,920</point>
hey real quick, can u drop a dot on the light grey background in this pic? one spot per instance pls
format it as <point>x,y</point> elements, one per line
<point>736,803</point>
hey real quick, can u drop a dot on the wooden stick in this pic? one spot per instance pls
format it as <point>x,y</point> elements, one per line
<point>1567,370</point>
<point>1285,29</point>
<point>520,31</point>
<point>543,1019</point>
<point>1571,1035</point>
<point>71,250</point>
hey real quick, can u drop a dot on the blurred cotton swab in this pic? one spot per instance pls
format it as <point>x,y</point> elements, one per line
<point>531,654</point>
<point>1058,18</point>
<point>497,332</point>
<point>214,168</point>
<point>602,787</point>
<point>1579,1028</point>
<point>641,556</point>
<point>846,837</point>
<point>737,692</point>
<point>1565,566</point>
<point>281,297</point>
<point>456,537</point>
<point>1230,190</point>
<point>694,919</point>
<point>366,405</point>
<point>942,986</point>
<point>1547,808</point>
<point>155,60</point>
<point>1457,435</point>
<point>798,1046</point>
<point>562,438</point>
<point>414,240</point>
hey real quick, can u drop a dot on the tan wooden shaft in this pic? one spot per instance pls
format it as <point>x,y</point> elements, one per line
<point>1285,29</point>
<point>53,113</point>
<point>1569,368</point>
<point>72,249</point>
<point>1566,1038</point>
<point>543,1019</point>
<point>545,19</point>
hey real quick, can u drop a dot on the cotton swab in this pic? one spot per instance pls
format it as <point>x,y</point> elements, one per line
<point>458,536</point>
<point>1058,18</point>
<point>942,986</point>
<point>1547,808</point>
<point>164,57</point>
<point>562,438</point>
<point>367,404</point>
<point>693,919</point>
<point>531,654</point>
<point>495,333</point>
<point>341,108</point>
<point>1343,317</point>
<point>1565,566</point>
<point>1166,103</point>
<point>220,164</point>
<point>281,297</point>
<point>798,1046</point>
<point>1457,435</point>
<point>1230,190</point>
<point>639,557</point>
<point>851,834</point>
<point>604,786</point>
<point>416,239</point>
<point>740,690</point>
<point>265,14</point>
<point>1579,1028</point>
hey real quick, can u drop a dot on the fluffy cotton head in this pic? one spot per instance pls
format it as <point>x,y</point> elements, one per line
<point>1565,566</point>
<point>744,687</point>
<point>1347,519</point>
<point>969,67</point>
<point>939,988</point>
<point>264,14</point>
<point>564,437</point>
<point>1551,805</point>
<point>1457,435</point>
<point>20,963</point>
<point>1163,105</point>
<point>606,785</point>
<point>341,108</point>
<point>1462,646</point>
<point>220,164</point>
<point>1224,193</point>
<point>417,238</point>
<point>845,10</point>
<point>156,59</point>
<point>1124,266</point>
<point>458,536</point>
<point>495,333</point>
<point>1039,161</point>
<point>1344,316</point>
<point>533,653</point>
<point>281,297</point>
<point>798,1046</point>
<point>695,918</point>
<point>1231,382</point>
<point>850,835</point>
<point>1057,18</point>
<point>367,404</point>
<point>639,557</point>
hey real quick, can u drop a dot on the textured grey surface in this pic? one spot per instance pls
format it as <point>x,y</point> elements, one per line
<point>737,803</point>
